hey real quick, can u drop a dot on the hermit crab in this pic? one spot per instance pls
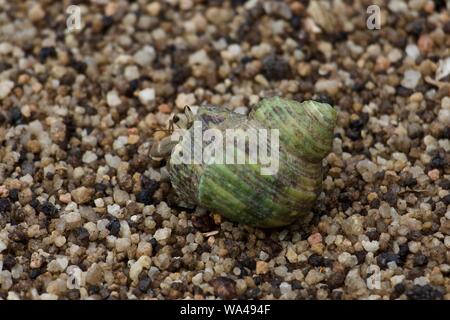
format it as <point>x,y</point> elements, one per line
<point>264,169</point>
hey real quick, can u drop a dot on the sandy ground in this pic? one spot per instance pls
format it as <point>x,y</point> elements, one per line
<point>85,213</point>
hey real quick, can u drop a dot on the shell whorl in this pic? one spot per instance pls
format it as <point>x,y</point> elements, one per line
<point>239,191</point>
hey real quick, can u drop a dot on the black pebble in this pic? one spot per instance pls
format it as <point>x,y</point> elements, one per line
<point>107,22</point>
<point>9,262</point>
<point>373,235</point>
<point>114,227</point>
<point>47,52</point>
<point>361,256</point>
<point>440,5</point>
<point>275,68</point>
<point>403,250</point>
<point>15,116</point>
<point>78,66</point>
<point>5,205</point>
<point>316,260</point>
<point>144,284</point>
<point>399,288</point>
<point>325,98</point>
<point>4,66</point>
<point>336,280</point>
<point>425,292</point>
<point>296,285</point>
<point>403,92</point>
<point>409,182</point>
<point>420,260</point>
<point>145,196</point>
<point>35,203</point>
<point>133,85</point>
<point>445,134</point>
<point>93,290</point>
<point>180,75</point>
<point>437,162</point>
<point>414,235</point>
<point>446,200</point>
<point>155,244</point>
<point>296,22</point>
<point>385,257</point>
<point>445,184</point>
<point>354,134</point>
<point>48,209</point>
<point>34,273</point>
<point>82,236</point>
<point>203,223</point>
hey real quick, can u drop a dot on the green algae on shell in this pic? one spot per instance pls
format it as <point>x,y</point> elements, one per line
<point>239,191</point>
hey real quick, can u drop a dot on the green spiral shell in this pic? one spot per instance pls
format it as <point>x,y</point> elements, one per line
<point>239,191</point>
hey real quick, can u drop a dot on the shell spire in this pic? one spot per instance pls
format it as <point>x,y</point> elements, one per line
<point>306,129</point>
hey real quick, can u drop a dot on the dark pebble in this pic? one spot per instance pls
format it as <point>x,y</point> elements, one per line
<point>353,134</point>
<point>296,285</point>
<point>144,284</point>
<point>403,92</point>
<point>446,27</point>
<point>9,262</point>
<point>4,66</point>
<point>409,182</point>
<point>5,205</point>
<point>145,196</point>
<point>336,280</point>
<point>14,195</point>
<point>34,273</point>
<point>375,203</point>
<point>93,290</point>
<point>425,292</point>
<point>224,287</point>
<point>78,66</point>
<point>107,22</point>
<point>325,98</point>
<point>253,293</point>
<point>373,235</point>
<point>275,68</point>
<point>155,245</point>
<point>440,5</point>
<point>133,85</point>
<point>203,223</point>
<point>180,74</point>
<point>414,235</point>
<point>420,260</point>
<point>446,200</point>
<point>385,257</point>
<point>403,251</point>
<point>437,162</point>
<point>361,256</point>
<point>444,184</point>
<point>114,227</point>
<point>15,116</point>
<point>316,260</point>
<point>390,197</point>
<point>82,236</point>
<point>399,288</point>
<point>47,52</point>
<point>48,209</point>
